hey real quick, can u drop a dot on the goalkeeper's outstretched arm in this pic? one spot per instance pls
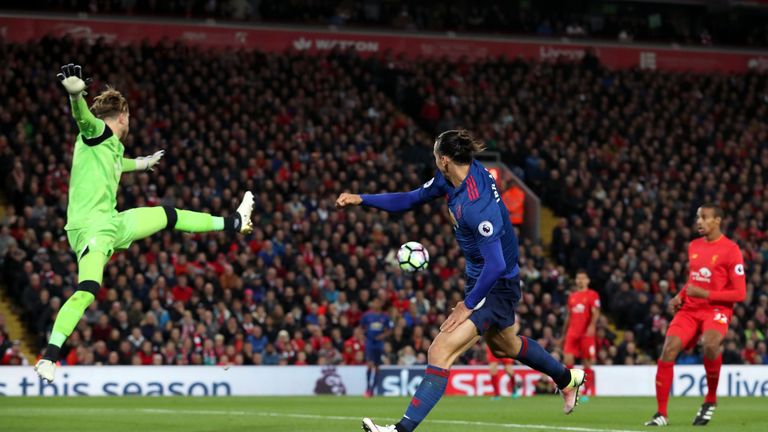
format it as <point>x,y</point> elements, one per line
<point>143,163</point>
<point>71,78</point>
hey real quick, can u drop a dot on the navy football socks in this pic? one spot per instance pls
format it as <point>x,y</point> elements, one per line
<point>427,395</point>
<point>534,356</point>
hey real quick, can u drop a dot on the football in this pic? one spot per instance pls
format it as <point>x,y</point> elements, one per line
<point>413,256</point>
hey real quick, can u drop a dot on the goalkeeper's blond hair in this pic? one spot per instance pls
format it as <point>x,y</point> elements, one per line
<point>109,103</point>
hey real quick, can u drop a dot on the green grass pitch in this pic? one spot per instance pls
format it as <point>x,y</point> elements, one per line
<point>326,414</point>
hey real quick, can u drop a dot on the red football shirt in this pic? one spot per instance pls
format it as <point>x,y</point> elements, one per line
<point>351,347</point>
<point>718,267</point>
<point>580,304</point>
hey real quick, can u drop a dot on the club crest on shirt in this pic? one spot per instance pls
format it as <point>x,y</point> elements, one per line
<point>714,259</point>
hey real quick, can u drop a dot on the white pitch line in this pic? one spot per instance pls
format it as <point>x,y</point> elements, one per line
<point>329,417</point>
<point>307,416</point>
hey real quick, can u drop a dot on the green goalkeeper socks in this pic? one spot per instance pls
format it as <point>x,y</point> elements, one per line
<point>143,222</point>
<point>149,220</point>
<point>68,317</point>
<point>190,221</point>
<point>90,273</point>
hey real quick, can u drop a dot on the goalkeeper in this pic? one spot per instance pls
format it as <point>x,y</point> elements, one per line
<point>95,229</point>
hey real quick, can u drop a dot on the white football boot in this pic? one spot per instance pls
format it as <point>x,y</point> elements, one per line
<point>571,392</point>
<point>46,369</point>
<point>370,426</point>
<point>245,210</point>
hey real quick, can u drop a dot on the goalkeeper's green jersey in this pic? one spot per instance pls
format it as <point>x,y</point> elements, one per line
<point>96,168</point>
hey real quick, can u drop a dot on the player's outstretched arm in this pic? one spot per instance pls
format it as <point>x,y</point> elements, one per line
<point>391,202</point>
<point>348,200</point>
<point>398,201</point>
<point>143,163</point>
<point>71,77</point>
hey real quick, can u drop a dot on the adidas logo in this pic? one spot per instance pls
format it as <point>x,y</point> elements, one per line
<point>302,44</point>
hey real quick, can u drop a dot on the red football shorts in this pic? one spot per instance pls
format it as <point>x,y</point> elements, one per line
<point>492,358</point>
<point>688,325</point>
<point>581,347</point>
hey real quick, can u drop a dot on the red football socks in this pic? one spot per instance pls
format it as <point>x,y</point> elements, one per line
<point>664,375</point>
<point>590,384</point>
<point>712,367</point>
<point>496,383</point>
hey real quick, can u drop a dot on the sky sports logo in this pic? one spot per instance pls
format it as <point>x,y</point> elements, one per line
<point>305,44</point>
<point>469,381</point>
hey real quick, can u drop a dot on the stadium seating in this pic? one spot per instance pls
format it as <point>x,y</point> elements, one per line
<point>623,157</point>
<point>664,22</point>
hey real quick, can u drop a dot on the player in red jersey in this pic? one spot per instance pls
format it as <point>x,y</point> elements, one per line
<point>703,309</point>
<point>579,328</point>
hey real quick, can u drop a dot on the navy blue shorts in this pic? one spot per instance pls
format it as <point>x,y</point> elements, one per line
<point>374,353</point>
<point>498,310</point>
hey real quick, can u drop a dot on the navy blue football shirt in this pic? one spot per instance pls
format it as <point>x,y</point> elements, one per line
<point>479,216</point>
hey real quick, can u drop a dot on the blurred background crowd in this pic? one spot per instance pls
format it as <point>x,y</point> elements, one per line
<point>622,157</point>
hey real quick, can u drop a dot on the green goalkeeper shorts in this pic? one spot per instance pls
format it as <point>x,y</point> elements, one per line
<point>107,235</point>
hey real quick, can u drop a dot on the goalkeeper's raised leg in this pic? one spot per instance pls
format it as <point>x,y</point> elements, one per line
<point>95,229</point>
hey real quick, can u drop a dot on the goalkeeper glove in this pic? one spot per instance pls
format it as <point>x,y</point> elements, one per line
<point>71,77</point>
<point>147,163</point>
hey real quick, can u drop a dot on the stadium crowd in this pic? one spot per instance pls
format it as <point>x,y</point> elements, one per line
<point>623,156</point>
<point>622,21</point>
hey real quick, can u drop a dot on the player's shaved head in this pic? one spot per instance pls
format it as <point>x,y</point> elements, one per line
<point>716,209</point>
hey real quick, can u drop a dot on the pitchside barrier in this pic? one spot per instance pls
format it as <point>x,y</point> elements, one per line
<point>348,380</point>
